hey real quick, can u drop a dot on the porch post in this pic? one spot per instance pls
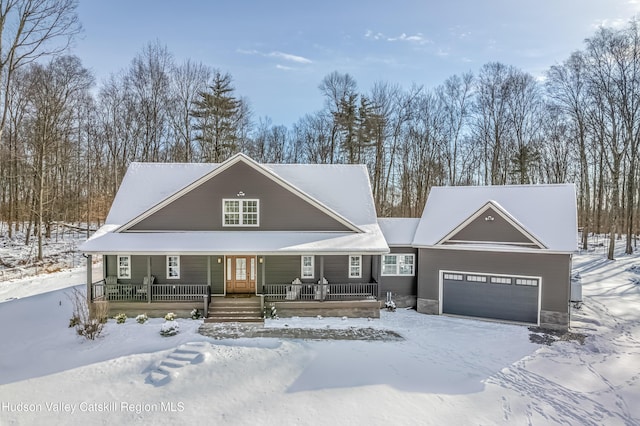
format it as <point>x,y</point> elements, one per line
<point>209,271</point>
<point>148,279</point>
<point>89,279</point>
<point>321,268</point>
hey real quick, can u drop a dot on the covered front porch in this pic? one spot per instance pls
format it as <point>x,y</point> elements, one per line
<point>145,284</point>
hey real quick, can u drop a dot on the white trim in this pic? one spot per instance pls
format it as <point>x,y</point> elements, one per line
<point>397,273</point>
<point>441,273</point>
<point>241,223</point>
<point>503,214</point>
<point>176,266</point>
<point>313,266</point>
<point>352,256</point>
<point>128,268</point>
<point>260,169</point>
<point>493,249</point>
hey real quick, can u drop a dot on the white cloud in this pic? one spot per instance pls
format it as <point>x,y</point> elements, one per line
<point>417,38</point>
<point>276,54</point>
<point>289,57</point>
<point>284,67</point>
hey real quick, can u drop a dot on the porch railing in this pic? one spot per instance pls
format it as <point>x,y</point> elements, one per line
<point>159,292</point>
<point>319,292</point>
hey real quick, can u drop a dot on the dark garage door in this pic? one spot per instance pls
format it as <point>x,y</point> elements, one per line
<point>489,296</point>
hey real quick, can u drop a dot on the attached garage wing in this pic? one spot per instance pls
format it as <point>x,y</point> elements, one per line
<point>510,298</point>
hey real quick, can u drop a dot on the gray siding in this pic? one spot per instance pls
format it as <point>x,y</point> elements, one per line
<point>553,268</point>
<point>284,269</point>
<point>201,208</point>
<point>193,270</point>
<point>496,230</point>
<point>399,285</point>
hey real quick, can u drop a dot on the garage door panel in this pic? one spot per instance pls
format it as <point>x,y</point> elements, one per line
<point>487,300</point>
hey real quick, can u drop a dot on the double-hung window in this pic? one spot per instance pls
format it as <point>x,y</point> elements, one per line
<point>307,266</point>
<point>355,266</point>
<point>173,267</point>
<point>398,264</point>
<point>124,267</point>
<point>240,212</point>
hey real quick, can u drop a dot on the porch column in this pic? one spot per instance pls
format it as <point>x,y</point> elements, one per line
<point>148,279</point>
<point>321,268</point>
<point>89,279</point>
<point>209,271</point>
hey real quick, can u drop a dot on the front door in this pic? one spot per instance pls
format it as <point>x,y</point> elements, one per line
<point>241,274</point>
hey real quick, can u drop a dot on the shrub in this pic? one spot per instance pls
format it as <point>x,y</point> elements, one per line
<point>87,322</point>
<point>142,318</point>
<point>270,312</point>
<point>195,314</point>
<point>170,316</point>
<point>169,328</point>
<point>120,318</point>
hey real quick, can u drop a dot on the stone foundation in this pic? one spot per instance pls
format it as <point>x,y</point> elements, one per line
<point>428,306</point>
<point>552,320</point>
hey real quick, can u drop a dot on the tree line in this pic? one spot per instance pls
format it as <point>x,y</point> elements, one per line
<point>65,143</point>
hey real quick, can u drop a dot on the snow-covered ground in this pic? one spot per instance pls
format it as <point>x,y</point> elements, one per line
<point>445,371</point>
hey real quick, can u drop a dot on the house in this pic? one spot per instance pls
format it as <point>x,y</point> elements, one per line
<point>500,252</point>
<point>305,240</point>
<point>179,235</point>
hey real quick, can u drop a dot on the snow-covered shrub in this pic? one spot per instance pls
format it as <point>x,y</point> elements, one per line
<point>170,316</point>
<point>74,321</point>
<point>87,322</point>
<point>142,318</point>
<point>169,328</point>
<point>390,305</point>
<point>121,318</point>
<point>270,312</point>
<point>195,314</point>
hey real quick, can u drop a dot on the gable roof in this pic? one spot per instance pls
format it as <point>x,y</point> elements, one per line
<point>341,191</point>
<point>494,207</point>
<point>269,174</point>
<point>546,213</point>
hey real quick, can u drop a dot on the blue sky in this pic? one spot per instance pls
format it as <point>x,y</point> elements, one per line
<point>278,51</point>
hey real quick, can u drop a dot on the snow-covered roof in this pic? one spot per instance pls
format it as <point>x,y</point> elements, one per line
<point>343,191</point>
<point>343,188</point>
<point>398,231</point>
<point>547,212</point>
<point>238,242</point>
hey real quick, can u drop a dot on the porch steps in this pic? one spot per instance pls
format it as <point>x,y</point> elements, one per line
<point>235,309</point>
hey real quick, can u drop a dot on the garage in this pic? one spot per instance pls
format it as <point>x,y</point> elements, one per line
<point>510,298</point>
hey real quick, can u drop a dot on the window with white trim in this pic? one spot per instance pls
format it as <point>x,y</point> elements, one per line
<point>453,277</point>
<point>398,264</point>
<point>124,266</point>
<point>500,280</point>
<point>240,212</point>
<point>355,266</point>
<point>307,266</point>
<point>173,267</point>
<point>477,278</point>
<point>526,281</point>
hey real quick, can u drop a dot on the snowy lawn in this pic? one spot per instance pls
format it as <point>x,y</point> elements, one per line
<point>445,371</point>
